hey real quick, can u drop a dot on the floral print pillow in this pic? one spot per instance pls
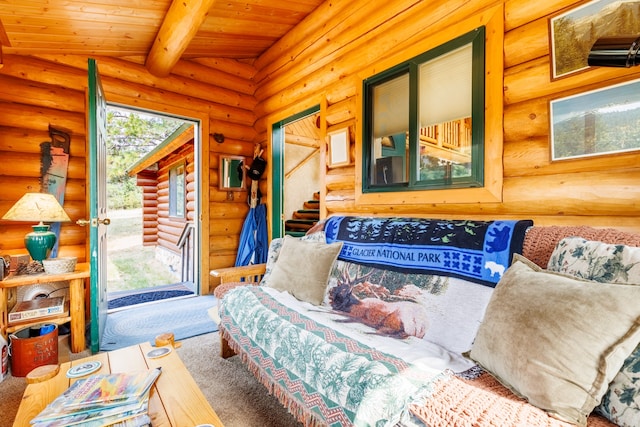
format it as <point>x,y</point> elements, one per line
<point>596,261</point>
<point>607,263</point>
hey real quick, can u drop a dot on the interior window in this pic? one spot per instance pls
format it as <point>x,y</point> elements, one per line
<point>177,191</point>
<point>424,120</point>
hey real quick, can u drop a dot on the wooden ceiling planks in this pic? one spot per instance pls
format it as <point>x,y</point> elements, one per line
<point>127,28</point>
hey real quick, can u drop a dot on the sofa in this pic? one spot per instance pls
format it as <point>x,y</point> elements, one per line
<point>376,321</point>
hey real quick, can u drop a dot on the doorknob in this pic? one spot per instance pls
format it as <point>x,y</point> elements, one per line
<point>94,222</point>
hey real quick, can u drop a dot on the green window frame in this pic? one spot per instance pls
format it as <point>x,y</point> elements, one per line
<point>424,120</point>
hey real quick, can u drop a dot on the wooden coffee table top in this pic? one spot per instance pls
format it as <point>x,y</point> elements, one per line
<point>176,399</point>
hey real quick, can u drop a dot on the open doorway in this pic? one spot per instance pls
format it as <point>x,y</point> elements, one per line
<point>151,197</point>
<point>296,168</point>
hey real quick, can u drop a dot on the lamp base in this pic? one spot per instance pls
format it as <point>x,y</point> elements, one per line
<point>40,242</point>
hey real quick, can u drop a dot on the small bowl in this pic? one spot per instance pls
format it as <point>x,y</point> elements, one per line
<point>59,265</point>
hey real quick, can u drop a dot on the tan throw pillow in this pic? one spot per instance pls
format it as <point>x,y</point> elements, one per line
<point>303,268</point>
<point>555,340</point>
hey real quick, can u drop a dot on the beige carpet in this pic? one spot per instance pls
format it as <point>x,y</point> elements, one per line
<point>235,395</point>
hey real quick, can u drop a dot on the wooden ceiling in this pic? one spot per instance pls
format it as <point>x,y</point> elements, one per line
<point>160,32</point>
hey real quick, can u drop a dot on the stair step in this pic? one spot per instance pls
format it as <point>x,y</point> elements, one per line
<point>311,204</point>
<point>316,196</point>
<point>299,224</point>
<point>307,214</point>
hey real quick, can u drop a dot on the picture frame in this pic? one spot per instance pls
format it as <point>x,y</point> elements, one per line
<point>339,148</point>
<point>573,32</point>
<point>598,122</point>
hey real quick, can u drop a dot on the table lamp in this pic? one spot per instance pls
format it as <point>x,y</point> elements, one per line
<point>38,207</point>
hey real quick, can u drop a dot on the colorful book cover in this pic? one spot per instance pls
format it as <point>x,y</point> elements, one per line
<point>99,417</point>
<point>100,395</point>
<point>104,390</point>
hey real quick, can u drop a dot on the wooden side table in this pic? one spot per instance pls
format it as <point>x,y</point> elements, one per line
<point>76,315</point>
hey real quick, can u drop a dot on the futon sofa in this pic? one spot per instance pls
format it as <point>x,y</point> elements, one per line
<point>418,322</point>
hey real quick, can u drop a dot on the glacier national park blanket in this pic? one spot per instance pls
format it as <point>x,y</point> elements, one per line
<point>479,251</point>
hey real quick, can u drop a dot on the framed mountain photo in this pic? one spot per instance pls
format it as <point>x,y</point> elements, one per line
<point>574,32</point>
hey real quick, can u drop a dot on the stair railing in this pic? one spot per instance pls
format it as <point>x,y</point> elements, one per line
<point>185,244</point>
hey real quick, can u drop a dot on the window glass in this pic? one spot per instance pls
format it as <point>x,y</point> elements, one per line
<point>177,195</point>
<point>390,130</point>
<point>445,96</point>
<point>424,120</point>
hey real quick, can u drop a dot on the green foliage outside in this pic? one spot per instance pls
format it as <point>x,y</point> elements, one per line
<point>130,136</point>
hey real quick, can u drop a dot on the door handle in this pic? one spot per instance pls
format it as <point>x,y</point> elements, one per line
<point>94,222</point>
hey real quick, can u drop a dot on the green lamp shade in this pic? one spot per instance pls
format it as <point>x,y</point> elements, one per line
<point>40,242</point>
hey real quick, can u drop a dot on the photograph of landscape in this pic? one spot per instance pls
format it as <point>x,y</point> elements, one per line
<point>598,122</point>
<point>573,33</point>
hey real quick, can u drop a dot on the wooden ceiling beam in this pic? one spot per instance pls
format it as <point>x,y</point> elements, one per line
<point>180,25</point>
<point>4,41</point>
<point>4,38</point>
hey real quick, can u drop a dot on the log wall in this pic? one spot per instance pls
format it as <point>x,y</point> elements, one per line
<point>325,60</point>
<point>36,92</point>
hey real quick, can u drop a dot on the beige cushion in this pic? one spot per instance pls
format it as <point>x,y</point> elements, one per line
<point>555,340</point>
<point>303,268</point>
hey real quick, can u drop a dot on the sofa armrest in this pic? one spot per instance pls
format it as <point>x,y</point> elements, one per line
<point>247,273</point>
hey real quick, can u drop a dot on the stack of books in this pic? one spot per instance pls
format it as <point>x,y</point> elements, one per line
<point>120,399</point>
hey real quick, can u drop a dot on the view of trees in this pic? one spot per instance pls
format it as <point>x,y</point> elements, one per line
<point>575,32</point>
<point>613,131</point>
<point>130,136</point>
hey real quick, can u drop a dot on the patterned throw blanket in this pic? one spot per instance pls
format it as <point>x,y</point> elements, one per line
<point>479,251</point>
<point>322,376</point>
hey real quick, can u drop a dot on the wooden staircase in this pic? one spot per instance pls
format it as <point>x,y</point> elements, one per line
<point>304,218</point>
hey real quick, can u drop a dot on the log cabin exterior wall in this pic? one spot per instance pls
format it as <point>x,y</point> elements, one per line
<point>168,228</point>
<point>323,61</point>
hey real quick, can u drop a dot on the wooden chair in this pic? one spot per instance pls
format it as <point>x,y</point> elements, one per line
<point>230,278</point>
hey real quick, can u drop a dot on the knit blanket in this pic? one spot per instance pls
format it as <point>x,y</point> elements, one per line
<point>478,251</point>
<point>483,402</point>
<point>323,376</point>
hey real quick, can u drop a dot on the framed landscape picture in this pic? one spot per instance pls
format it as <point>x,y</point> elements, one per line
<point>575,31</point>
<point>602,121</point>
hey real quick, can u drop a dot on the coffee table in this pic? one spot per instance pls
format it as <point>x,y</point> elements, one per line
<point>175,400</point>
